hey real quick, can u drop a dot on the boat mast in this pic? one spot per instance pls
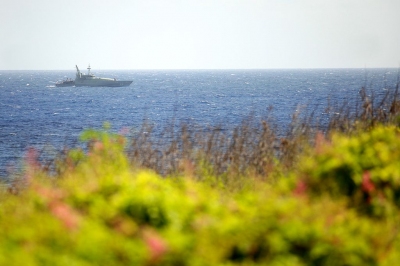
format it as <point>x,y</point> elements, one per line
<point>78,73</point>
<point>89,68</point>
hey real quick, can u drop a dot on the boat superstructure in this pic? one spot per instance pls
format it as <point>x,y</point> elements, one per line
<point>91,80</point>
<point>65,83</point>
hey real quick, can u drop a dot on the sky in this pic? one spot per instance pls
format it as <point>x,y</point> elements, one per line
<point>203,34</point>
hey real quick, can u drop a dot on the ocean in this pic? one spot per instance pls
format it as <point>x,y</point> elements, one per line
<point>35,113</point>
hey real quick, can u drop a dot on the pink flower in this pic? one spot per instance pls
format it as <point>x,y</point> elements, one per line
<point>65,214</point>
<point>367,185</point>
<point>33,164</point>
<point>156,245</point>
<point>301,188</point>
<point>31,157</point>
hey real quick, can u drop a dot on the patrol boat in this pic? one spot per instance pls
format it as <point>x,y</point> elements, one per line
<point>91,80</point>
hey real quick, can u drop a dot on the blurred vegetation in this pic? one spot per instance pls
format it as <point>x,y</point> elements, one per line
<point>246,197</point>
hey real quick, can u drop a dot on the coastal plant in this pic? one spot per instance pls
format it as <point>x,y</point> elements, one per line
<point>256,146</point>
<point>365,168</point>
<point>101,210</point>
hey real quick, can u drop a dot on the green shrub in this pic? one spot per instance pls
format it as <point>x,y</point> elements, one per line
<point>364,167</point>
<point>101,211</point>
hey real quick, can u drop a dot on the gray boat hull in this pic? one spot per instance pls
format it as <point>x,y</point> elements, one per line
<point>99,82</point>
<point>90,80</point>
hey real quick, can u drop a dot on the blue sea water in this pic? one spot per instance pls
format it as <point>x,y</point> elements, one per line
<point>35,113</point>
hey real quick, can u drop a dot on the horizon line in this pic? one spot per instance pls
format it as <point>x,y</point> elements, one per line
<point>209,69</point>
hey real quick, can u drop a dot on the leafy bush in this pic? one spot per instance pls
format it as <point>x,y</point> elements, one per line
<point>365,168</point>
<point>99,210</point>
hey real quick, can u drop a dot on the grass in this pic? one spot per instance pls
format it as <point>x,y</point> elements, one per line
<point>255,147</point>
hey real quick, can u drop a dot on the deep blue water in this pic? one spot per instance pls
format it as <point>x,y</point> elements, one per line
<point>33,112</point>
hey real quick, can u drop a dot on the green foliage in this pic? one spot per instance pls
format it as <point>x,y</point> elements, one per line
<point>102,211</point>
<point>365,168</point>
